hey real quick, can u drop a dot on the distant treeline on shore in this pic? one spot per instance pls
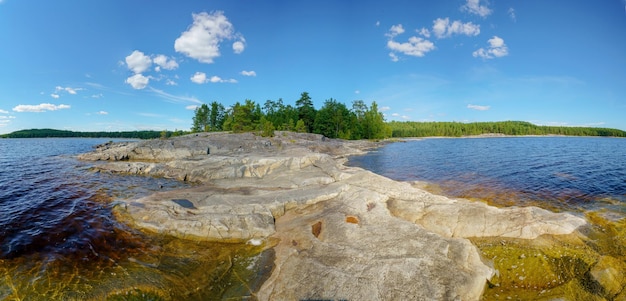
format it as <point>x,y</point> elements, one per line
<point>398,129</point>
<point>51,133</point>
<point>513,128</point>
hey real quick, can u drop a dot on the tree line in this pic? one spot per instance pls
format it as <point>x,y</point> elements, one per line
<point>459,129</point>
<point>333,119</point>
<point>51,133</point>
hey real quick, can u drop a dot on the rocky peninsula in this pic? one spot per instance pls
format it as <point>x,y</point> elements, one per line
<point>338,232</point>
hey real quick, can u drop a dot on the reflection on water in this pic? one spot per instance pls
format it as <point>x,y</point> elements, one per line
<point>60,241</point>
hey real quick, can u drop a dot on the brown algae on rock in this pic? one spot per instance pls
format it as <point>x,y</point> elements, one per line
<point>170,269</point>
<point>588,265</point>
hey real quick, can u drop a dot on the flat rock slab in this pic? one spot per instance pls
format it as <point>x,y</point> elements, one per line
<point>338,232</point>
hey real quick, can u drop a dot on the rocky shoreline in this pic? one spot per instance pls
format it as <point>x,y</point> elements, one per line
<point>338,232</point>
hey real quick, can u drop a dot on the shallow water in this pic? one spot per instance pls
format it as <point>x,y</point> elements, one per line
<point>583,176</point>
<point>60,241</point>
<point>561,173</point>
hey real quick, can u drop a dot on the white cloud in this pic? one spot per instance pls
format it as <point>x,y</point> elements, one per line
<point>239,46</point>
<point>383,109</point>
<point>138,81</point>
<point>496,48</point>
<point>394,31</point>
<point>164,62</point>
<point>442,28</point>
<point>170,82</point>
<point>478,108</point>
<point>357,92</point>
<point>511,13</point>
<point>192,107</point>
<point>199,78</point>
<point>474,7</point>
<point>217,79</point>
<point>97,95</point>
<point>3,112</point>
<point>414,47</point>
<point>69,90</point>
<point>248,73</point>
<point>102,113</point>
<point>377,23</point>
<point>138,62</point>
<point>202,39</point>
<point>424,32</point>
<point>40,107</point>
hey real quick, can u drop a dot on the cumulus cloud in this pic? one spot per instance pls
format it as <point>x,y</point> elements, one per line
<point>394,31</point>
<point>442,28</point>
<point>202,39</point>
<point>217,79</point>
<point>415,46</point>
<point>170,82</point>
<point>138,81</point>
<point>55,96</point>
<point>474,7</point>
<point>478,108</point>
<point>383,109</point>
<point>164,62</point>
<point>3,112</point>
<point>239,46</point>
<point>40,107</point>
<point>496,48</point>
<point>199,78</point>
<point>424,32</point>
<point>102,113</point>
<point>248,73</point>
<point>138,62</point>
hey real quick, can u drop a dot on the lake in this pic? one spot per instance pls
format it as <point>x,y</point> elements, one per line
<point>581,175</point>
<point>560,173</point>
<point>60,241</point>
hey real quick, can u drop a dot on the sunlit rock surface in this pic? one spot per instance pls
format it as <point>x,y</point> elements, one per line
<point>337,232</point>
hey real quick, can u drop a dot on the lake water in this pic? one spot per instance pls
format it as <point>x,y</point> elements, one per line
<point>60,241</point>
<point>559,173</point>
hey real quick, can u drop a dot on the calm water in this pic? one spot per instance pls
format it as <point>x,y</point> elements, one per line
<point>59,240</point>
<point>562,173</point>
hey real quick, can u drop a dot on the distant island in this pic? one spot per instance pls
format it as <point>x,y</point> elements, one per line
<point>404,129</point>
<point>51,133</point>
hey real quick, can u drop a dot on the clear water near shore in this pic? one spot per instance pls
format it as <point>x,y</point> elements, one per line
<point>580,175</point>
<point>60,241</point>
<point>560,173</point>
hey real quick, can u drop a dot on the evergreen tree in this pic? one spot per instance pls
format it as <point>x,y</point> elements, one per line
<point>332,119</point>
<point>306,111</point>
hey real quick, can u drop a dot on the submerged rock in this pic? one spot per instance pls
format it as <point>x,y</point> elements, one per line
<point>337,232</point>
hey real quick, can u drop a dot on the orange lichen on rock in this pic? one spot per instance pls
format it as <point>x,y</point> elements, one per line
<point>316,229</point>
<point>352,219</point>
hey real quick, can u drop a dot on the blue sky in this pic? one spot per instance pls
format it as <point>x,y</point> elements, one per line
<point>144,65</point>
